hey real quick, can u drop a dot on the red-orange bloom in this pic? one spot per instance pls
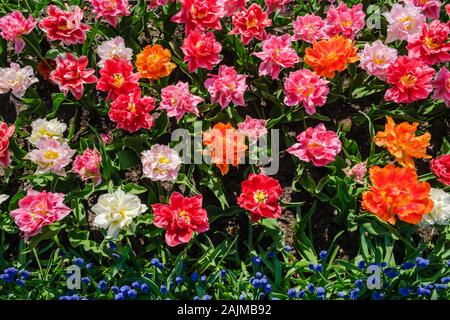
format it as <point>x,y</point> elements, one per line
<point>402,143</point>
<point>154,62</point>
<point>225,145</point>
<point>330,55</point>
<point>397,193</point>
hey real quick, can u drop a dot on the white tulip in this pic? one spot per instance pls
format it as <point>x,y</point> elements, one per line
<point>115,211</point>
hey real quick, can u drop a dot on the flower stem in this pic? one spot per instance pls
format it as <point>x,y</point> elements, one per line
<point>37,52</point>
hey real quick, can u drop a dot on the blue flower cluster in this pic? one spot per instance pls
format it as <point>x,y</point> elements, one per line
<point>11,275</point>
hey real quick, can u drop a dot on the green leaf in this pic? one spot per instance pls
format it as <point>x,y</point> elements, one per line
<point>127,159</point>
<point>272,227</point>
<point>134,188</point>
<point>445,148</point>
<point>214,184</point>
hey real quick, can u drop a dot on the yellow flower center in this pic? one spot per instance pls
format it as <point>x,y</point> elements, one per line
<point>183,214</point>
<point>260,196</point>
<point>51,155</point>
<point>112,4</point>
<point>163,160</point>
<point>408,80</point>
<point>347,23</point>
<point>196,14</point>
<point>41,210</point>
<point>379,60</point>
<point>252,23</point>
<point>65,27</point>
<point>431,43</point>
<point>231,86</point>
<point>307,92</point>
<point>314,144</point>
<point>132,107</point>
<point>408,22</point>
<point>118,80</point>
<point>123,213</point>
<point>333,57</point>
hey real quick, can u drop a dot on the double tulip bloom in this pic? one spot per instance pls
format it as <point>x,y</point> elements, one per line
<point>181,218</point>
<point>396,193</point>
<point>260,196</point>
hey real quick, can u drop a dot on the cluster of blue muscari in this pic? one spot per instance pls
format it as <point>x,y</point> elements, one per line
<point>72,297</point>
<point>260,281</point>
<point>318,292</point>
<point>11,275</point>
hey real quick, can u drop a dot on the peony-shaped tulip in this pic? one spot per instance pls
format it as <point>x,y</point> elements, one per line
<point>16,79</point>
<point>87,166</point>
<point>5,134</point>
<point>345,21</point>
<point>65,26</point>
<point>441,85</point>
<point>37,210</point>
<point>110,10</point>
<point>161,163</point>
<point>181,218</point>
<point>117,78</point>
<point>357,172</point>
<point>305,88</point>
<point>316,145</point>
<point>251,23</point>
<point>402,143</point>
<point>14,26</point>
<point>260,196</point>
<point>309,28</point>
<point>410,79</point>
<point>42,128</point>
<point>115,211</point>
<point>226,87</point>
<point>225,145</point>
<point>376,58</point>
<point>277,53</point>
<point>253,128</point>
<point>441,168</point>
<point>177,100</point>
<point>51,155</point>
<point>131,112</point>
<point>201,50</point>
<point>432,45</point>
<point>404,21</point>
<point>277,5</point>
<point>396,193</point>
<point>71,74</point>
<point>430,8</point>
<point>202,14</point>
<point>154,62</point>
<point>232,6</point>
<point>114,48</point>
<point>330,55</point>
<point>440,215</point>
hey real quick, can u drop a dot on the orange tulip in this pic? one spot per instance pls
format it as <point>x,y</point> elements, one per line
<point>225,146</point>
<point>330,55</point>
<point>397,192</point>
<point>402,143</point>
<point>154,62</point>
